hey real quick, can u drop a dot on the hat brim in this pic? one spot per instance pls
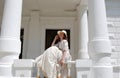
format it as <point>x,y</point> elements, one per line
<point>63,31</point>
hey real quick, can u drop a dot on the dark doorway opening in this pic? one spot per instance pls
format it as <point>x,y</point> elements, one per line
<point>50,34</point>
<point>22,39</point>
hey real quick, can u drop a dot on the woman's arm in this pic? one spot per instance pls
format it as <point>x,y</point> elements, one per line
<point>53,43</point>
<point>65,49</point>
<point>62,61</point>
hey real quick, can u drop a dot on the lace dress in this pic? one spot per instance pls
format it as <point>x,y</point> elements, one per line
<point>49,60</point>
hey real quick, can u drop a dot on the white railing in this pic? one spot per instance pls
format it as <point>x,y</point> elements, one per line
<point>58,74</point>
<point>24,68</point>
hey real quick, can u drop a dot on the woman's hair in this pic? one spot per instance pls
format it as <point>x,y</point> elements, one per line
<point>65,37</point>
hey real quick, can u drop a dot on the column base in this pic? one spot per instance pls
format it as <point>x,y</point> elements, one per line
<point>83,68</point>
<point>9,51</point>
<point>6,65</point>
<point>102,72</point>
<point>6,70</point>
<point>99,46</point>
<point>10,45</point>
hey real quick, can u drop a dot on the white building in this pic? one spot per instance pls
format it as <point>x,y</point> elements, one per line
<point>93,27</point>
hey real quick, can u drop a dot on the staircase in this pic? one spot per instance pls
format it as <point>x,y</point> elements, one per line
<point>114,36</point>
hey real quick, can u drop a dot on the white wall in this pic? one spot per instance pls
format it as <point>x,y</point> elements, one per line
<point>113,8</point>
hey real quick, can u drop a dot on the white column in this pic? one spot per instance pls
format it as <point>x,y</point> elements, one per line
<point>99,44</point>
<point>34,35</point>
<point>83,32</point>
<point>10,35</point>
<point>83,63</point>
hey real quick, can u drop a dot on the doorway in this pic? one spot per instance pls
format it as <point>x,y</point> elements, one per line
<point>21,39</point>
<point>50,34</point>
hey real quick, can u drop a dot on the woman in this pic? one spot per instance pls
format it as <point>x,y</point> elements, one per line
<point>54,58</point>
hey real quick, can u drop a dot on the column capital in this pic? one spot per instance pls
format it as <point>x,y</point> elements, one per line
<point>81,10</point>
<point>82,5</point>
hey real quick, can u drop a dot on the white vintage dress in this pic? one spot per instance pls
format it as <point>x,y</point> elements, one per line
<point>49,60</point>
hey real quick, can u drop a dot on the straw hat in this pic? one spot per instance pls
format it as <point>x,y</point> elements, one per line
<point>63,31</point>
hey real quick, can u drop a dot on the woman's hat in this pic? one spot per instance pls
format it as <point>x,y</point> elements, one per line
<point>63,31</point>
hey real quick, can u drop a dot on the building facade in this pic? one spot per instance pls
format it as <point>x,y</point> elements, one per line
<point>93,27</point>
